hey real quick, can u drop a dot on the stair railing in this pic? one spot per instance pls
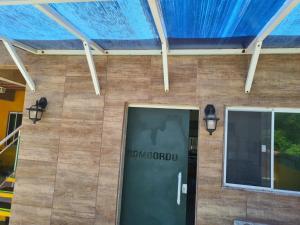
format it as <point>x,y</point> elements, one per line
<point>13,137</point>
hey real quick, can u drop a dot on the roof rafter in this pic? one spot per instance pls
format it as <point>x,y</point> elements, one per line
<point>252,67</point>
<point>31,2</point>
<point>256,44</point>
<point>92,67</point>
<point>160,27</point>
<point>24,47</point>
<point>21,45</point>
<point>10,48</point>
<point>285,9</point>
<point>52,14</point>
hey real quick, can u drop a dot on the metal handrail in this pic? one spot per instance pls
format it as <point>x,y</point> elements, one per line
<point>4,140</point>
<point>10,144</point>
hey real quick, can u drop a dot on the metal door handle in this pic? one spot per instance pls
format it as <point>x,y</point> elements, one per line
<point>179,188</point>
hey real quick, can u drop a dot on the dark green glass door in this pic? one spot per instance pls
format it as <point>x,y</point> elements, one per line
<point>155,167</point>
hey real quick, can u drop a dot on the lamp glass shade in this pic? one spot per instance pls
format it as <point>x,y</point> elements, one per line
<point>32,113</point>
<point>211,124</point>
<point>39,114</point>
<point>210,118</point>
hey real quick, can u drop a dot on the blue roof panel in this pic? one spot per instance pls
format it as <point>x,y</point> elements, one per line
<point>128,24</point>
<point>287,33</point>
<point>216,23</point>
<point>24,22</point>
<point>119,24</point>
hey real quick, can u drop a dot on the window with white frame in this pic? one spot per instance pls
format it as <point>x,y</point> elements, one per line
<point>262,149</point>
<point>14,121</point>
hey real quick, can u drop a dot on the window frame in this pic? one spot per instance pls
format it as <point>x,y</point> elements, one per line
<point>251,187</point>
<point>8,120</point>
<point>15,124</point>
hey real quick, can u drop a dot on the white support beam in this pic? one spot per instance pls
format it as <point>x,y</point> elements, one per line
<point>19,64</point>
<point>47,10</point>
<point>165,66</point>
<point>160,26</point>
<point>109,52</point>
<point>24,47</point>
<point>252,67</point>
<point>32,2</point>
<point>177,52</point>
<point>92,67</point>
<point>20,45</point>
<point>286,8</point>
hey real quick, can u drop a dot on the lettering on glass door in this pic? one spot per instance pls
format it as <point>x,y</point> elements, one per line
<point>153,155</point>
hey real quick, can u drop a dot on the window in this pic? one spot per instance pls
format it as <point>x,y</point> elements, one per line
<point>14,121</point>
<point>262,149</point>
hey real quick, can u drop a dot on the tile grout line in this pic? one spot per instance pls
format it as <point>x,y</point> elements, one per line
<point>101,144</point>
<point>59,141</point>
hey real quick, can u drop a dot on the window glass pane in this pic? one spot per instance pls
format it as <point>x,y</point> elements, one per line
<point>19,120</point>
<point>18,123</point>
<point>12,122</point>
<point>249,148</point>
<point>11,126</point>
<point>287,151</point>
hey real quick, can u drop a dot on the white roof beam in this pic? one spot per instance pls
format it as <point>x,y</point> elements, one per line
<point>92,67</point>
<point>21,45</point>
<point>165,66</point>
<point>160,26</point>
<point>10,48</point>
<point>252,67</point>
<point>31,2</point>
<point>185,52</point>
<point>24,47</point>
<point>255,46</point>
<point>286,8</point>
<point>51,13</point>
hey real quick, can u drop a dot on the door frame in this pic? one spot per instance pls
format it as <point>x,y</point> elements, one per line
<point>123,145</point>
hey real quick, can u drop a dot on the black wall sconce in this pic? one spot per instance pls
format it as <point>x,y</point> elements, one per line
<point>36,111</point>
<point>210,118</point>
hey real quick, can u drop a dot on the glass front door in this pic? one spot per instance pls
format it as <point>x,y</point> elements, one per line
<point>155,167</point>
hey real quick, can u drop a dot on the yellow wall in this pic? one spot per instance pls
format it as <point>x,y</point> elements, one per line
<point>9,106</point>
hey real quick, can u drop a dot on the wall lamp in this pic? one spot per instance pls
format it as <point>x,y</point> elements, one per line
<point>36,111</point>
<point>210,118</point>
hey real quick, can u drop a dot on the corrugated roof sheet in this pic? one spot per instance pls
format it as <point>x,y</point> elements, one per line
<point>128,24</point>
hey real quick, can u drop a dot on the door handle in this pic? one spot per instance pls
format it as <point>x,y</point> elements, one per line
<point>179,187</point>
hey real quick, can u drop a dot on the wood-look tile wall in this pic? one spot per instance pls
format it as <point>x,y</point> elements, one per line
<point>69,162</point>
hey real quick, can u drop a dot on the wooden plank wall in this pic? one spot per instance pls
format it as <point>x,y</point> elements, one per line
<point>69,162</point>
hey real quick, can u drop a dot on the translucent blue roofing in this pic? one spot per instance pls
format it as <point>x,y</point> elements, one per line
<point>287,33</point>
<point>26,23</point>
<point>128,24</point>
<point>120,24</point>
<point>216,23</point>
